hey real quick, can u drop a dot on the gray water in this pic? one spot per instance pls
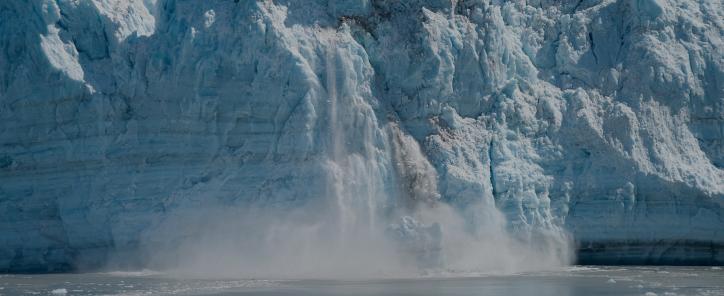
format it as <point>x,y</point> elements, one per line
<point>577,280</point>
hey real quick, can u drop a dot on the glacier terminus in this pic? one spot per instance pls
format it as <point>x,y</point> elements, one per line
<point>390,136</point>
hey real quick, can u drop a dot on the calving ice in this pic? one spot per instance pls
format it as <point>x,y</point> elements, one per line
<point>359,137</point>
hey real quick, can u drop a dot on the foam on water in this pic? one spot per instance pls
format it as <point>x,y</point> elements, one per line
<point>139,273</point>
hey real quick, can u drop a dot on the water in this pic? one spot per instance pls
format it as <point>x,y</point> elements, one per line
<point>577,280</point>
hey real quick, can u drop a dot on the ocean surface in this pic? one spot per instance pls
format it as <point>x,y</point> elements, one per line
<point>576,280</point>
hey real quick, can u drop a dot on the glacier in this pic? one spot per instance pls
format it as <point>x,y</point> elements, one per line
<point>545,124</point>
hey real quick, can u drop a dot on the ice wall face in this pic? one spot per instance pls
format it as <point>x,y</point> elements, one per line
<point>602,118</point>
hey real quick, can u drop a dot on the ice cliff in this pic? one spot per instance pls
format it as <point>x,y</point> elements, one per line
<point>603,119</point>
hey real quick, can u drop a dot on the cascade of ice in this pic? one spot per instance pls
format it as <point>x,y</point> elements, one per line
<point>380,185</point>
<point>335,140</point>
<point>356,168</point>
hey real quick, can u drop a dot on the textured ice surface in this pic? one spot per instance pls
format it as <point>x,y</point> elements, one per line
<point>604,118</point>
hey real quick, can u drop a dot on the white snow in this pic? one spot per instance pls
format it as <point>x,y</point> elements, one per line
<point>62,56</point>
<point>209,18</point>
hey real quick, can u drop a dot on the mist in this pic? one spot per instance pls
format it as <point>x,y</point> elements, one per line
<point>305,243</point>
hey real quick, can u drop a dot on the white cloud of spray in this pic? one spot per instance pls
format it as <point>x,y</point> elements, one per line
<point>354,232</point>
<point>303,243</point>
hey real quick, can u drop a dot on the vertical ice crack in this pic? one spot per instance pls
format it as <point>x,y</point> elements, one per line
<point>491,172</point>
<point>593,47</point>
